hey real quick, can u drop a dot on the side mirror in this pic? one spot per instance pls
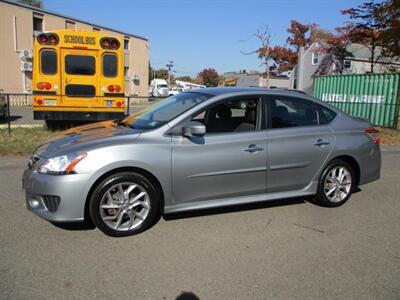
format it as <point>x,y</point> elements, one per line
<point>194,129</point>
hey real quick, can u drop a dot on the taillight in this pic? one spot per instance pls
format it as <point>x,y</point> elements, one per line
<point>44,85</point>
<point>374,134</point>
<point>48,39</point>
<point>119,104</point>
<point>52,39</point>
<point>39,101</point>
<point>109,43</point>
<point>114,44</point>
<point>105,43</point>
<point>43,38</point>
<point>114,88</point>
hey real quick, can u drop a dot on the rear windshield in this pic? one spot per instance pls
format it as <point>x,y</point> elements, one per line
<point>48,62</point>
<point>80,65</point>
<point>110,65</point>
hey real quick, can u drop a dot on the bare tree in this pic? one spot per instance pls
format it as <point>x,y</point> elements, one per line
<point>263,35</point>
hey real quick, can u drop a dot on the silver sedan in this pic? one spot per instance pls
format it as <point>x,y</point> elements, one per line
<point>201,149</point>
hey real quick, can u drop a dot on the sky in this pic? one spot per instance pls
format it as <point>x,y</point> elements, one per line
<point>207,33</point>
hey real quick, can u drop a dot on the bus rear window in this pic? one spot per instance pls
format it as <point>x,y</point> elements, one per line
<point>80,65</point>
<point>48,62</point>
<point>110,65</point>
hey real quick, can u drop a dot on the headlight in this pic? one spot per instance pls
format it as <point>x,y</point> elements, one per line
<point>61,165</point>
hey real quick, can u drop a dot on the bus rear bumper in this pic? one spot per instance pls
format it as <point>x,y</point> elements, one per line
<point>76,116</point>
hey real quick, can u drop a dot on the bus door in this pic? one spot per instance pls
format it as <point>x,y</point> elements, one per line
<point>79,80</point>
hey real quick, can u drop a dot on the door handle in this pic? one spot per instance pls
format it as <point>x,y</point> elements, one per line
<point>253,148</point>
<point>321,143</point>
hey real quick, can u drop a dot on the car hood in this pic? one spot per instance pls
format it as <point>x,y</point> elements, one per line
<point>86,137</point>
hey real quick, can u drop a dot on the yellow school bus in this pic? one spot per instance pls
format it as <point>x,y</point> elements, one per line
<point>230,82</point>
<point>78,76</point>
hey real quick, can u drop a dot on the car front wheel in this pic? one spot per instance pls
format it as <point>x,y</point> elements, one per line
<point>336,184</point>
<point>124,204</point>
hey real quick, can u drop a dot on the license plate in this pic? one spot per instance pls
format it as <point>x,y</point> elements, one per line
<point>50,102</point>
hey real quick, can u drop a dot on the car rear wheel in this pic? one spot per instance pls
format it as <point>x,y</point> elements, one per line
<point>124,204</point>
<point>336,184</point>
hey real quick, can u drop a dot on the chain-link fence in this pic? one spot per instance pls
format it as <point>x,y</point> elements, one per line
<point>16,109</point>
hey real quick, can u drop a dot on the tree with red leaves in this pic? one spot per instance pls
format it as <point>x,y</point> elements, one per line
<point>285,58</point>
<point>209,77</point>
<point>300,34</point>
<point>335,50</point>
<point>388,16</point>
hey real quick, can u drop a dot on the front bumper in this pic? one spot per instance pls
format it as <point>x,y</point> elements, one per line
<point>42,192</point>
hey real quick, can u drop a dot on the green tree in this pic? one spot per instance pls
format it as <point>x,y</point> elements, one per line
<point>184,78</point>
<point>34,3</point>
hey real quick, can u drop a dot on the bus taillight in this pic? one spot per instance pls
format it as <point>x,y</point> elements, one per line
<point>109,43</point>
<point>52,39</point>
<point>43,39</point>
<point>48,39</point>
<point>44,85</point>
<point>114,88</point>
<point>114,44</point>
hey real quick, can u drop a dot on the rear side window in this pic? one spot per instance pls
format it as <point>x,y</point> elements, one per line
<point>327,113</point>
<point>110,65</point>
<point>287,112</point>
<point>48,62</point>
<point>80,65</point>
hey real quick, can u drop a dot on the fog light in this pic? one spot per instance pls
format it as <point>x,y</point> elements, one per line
<point>34,203</point>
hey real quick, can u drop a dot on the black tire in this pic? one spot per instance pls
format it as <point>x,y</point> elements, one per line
<point>124,177</point>
<point>321,197</point>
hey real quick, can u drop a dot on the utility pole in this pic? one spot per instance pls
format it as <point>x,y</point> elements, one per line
<point>169,66</point>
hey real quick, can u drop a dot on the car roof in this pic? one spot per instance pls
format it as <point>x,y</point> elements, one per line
<point>216,91</point>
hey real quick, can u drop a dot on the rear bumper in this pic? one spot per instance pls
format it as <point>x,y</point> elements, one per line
<point>43,191</point>
<point>76,116</point>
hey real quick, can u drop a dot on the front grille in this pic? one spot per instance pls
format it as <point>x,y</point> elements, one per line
<point>51,202</point>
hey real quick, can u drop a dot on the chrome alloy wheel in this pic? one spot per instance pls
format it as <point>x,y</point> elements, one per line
<point>124,206</point>
<point>337,185</point>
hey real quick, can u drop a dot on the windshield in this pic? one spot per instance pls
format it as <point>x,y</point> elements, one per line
<point>163,112</point>
<point>162,86</point>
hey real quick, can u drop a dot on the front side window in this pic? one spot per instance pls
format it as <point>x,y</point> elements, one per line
<point>234,115</point>
<point>80,65</point>
<point>165,111</point>
<point>110,65</point>
<point>287,112</point>
<point>48,62</point>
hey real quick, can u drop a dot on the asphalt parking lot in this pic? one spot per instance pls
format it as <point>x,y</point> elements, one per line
<point>289,249</point>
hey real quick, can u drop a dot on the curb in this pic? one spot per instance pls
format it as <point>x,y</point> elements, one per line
<point>13,126</point>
